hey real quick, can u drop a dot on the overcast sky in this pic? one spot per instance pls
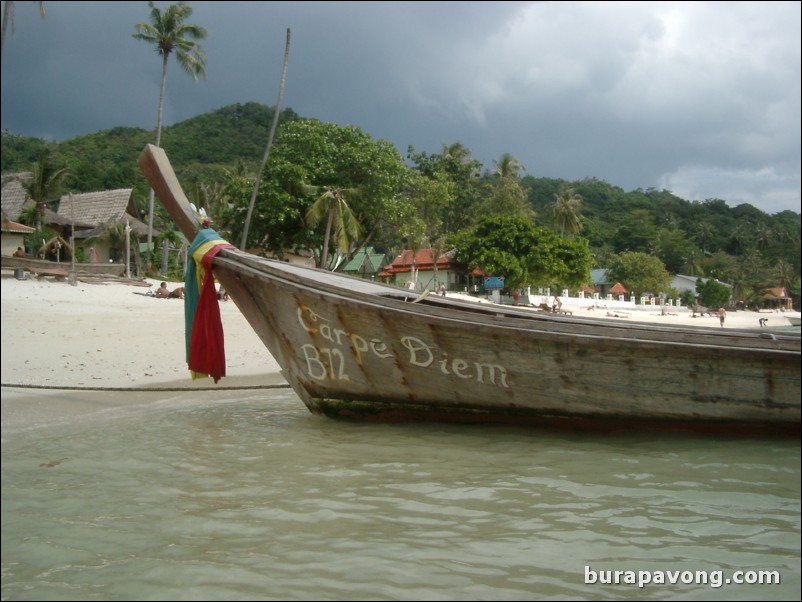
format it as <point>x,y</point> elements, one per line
<point>699,98</point>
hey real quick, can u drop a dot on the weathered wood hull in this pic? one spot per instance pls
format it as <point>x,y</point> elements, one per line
<point>370,354</point>
<point>357,349</point>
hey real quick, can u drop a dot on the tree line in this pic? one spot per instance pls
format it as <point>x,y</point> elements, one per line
<point>333,189</point>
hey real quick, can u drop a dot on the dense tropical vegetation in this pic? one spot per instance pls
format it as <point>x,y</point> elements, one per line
<point>323,179</point>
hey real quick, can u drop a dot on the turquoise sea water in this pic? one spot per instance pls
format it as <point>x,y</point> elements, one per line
<point>246,495</point>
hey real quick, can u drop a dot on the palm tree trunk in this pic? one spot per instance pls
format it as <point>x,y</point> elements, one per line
<point>324,256</point>
<point>276,112</point>
<point>158,143</point>
<point>8,16</point>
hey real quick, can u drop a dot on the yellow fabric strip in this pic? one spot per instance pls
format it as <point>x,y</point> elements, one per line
<point>200,253</point>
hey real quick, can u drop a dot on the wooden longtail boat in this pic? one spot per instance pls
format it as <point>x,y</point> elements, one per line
<point>353,348</point>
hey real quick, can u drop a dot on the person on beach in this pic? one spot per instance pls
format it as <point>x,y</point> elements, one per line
<point>164,293</point>
<point>557,305</point>
<point>721,315</point>
<point>20,252</point>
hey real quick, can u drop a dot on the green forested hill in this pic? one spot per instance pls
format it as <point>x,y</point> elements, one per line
<point>223,139</point>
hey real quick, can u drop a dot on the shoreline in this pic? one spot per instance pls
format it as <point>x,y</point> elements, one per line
<point>74,351</point>
<point>112,335</point>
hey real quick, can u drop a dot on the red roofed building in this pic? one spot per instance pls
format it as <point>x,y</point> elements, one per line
<point>419,271</point>
<point>618,289</point>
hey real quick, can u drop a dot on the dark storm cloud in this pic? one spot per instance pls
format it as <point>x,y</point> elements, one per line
<point>702,99</point>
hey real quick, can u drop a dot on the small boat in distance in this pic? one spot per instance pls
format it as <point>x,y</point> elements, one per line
<point>45,267</point>
<point>357,349</point>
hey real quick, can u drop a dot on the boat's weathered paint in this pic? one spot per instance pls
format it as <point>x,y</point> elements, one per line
<point>357,349</point>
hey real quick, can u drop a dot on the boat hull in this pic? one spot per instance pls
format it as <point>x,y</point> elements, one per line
<point>376,355</point>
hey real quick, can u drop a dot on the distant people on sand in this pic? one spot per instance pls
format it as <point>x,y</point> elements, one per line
<point>164,293</point>
<point>222,294</point>
<point>557,305</point>
<point>20,252</point>
<point>721,316</point>
<point>93,256</point>
<point>443,289</point>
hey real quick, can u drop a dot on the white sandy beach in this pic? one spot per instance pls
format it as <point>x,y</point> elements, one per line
<point>110,335</point>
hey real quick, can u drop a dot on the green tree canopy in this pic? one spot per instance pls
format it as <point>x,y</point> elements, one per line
<point>456,165</point>
<point>639,272</point>
<point>311,157</point>
<point>712,293</point>
<point>513,247</point>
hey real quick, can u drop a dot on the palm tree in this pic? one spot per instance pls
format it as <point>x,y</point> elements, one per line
<point>8,20</point>
<point>693,264</point>
<point>744,236</point>
<point>704,232</point>
<point>784,273</point>
<point>566,210</point>
<point>331,204</point>
<point>44,183</point>
<point>508,166</point>
<point>168,32</point>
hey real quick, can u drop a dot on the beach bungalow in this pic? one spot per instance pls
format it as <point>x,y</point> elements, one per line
<point>682,283</point>
<point>419,271</point>
<point>777,298</point>
<point>599,282</point>
<point>13,236</point>
<point>98,218</point>
<point>366,263</point>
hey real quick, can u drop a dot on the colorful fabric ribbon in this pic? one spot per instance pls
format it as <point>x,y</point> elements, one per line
<point>206,355</point>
